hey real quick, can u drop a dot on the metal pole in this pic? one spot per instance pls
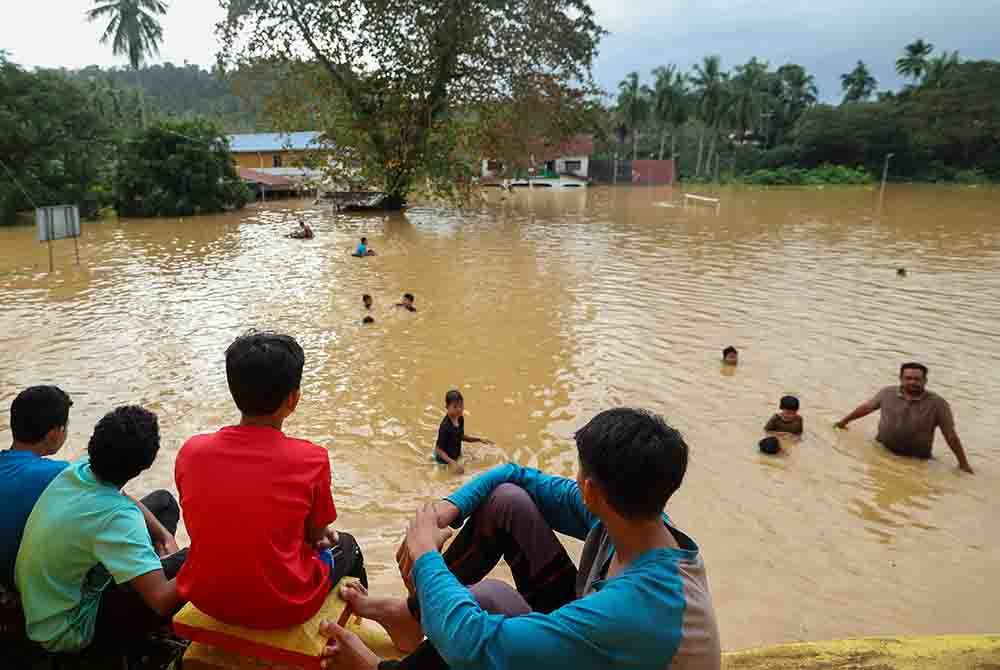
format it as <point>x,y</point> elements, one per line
<point>885,175</point>
<point>49,233</point>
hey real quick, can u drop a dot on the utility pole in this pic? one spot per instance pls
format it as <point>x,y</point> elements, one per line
<point>885,175</point>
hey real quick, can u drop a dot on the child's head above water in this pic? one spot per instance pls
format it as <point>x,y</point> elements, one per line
<point>367,300</point>
<point>264,371</point>
<point>454,403</point>
<point>788,407</point>
<point>730,355</point>
<point>769,445</point>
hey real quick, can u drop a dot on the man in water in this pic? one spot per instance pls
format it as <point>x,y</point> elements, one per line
<point>909,415</point>
<point>640,598</point>
<point>305,232</point>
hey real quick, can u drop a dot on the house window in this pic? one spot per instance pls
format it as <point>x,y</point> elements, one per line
<point>574,166</point>
<point>277,160</point>
<point>494,166</point>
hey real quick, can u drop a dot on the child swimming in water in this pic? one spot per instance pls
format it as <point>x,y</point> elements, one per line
<point>787,420</point>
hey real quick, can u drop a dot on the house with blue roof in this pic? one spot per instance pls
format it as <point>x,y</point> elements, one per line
<point>272,150</point>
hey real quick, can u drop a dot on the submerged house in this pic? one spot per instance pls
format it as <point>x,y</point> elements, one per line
<point>569,158</point>
<point>271,163</point>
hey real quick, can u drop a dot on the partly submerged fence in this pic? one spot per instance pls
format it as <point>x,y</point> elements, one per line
<point>632,172</point>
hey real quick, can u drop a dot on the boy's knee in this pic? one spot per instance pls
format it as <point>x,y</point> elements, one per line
<point>496,597</point>
<point>511,496</point>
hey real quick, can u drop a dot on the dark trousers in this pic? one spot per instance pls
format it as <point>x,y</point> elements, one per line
<point>508,526</point>
<point>123,616</point>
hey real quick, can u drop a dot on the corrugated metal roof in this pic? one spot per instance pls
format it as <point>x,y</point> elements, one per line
<point>253,142</point>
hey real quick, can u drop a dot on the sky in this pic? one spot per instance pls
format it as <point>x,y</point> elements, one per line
<point>827,38</point>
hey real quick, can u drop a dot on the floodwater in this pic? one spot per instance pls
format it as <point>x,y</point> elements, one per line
<point>546,307</point>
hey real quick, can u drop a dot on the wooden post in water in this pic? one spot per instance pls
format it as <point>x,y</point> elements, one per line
<point>885,175</point>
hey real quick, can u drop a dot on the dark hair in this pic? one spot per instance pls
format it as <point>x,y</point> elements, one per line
<point>363,240</point>
<point>913,366</point>
<point>789,402</point>
<point>368,319</point>
<point>729,350</point>
<point>453,396</point>
<point>366,295</point>
<point>636,458</point>
<point>125,442</point>
<point>36,410</point>
<point>408,296</point>
<point>262,370</point>
<point>769,445</point>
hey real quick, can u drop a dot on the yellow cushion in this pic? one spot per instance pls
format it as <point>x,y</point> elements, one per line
<point>219,645</point>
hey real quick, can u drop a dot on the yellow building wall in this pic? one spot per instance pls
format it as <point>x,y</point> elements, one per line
<point>265,159</point>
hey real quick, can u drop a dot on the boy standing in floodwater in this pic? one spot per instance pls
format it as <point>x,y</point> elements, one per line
<point>451,433</point>
<point>273,488</point>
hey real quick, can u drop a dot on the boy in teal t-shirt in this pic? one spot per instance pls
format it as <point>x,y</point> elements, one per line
<point>87,568</point>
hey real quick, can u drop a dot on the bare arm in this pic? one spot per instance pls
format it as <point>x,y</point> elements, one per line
<point>443,455</point>
<point>951,437</point>
<point>163,541</point>
<point>470,438</point>
<point>862,410</point>
<point>159,593</point>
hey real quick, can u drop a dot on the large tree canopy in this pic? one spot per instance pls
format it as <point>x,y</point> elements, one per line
<point>402,72</point>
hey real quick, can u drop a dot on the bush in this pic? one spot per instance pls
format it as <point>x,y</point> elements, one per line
<point>177,169</point>
<point>823,175</point>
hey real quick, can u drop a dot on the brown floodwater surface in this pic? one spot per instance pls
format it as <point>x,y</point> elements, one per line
<point>547,307</point>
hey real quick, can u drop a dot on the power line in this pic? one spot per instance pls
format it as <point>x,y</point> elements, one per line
<point>18,184</point>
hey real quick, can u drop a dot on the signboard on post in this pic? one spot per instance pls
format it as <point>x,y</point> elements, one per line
<point>57,223</point>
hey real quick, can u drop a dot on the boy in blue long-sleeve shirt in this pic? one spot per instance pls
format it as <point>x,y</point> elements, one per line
<point>640,598</point>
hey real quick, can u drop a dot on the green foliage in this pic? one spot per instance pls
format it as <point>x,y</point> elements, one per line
<point>53,141</point>
<point>823,175</point>
<point>858,84</point>
<point>132,27</point>
<point>177,169</point>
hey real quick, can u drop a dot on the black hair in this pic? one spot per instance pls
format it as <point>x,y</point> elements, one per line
<point>729,350</point>
<point>789,402</point>
<point>363,240</point>
<point>453,396</point>
<point>367,295</point>
<point>409,296</point>
<point>913,366</point>
<point>635,457</point>
<point>368,319</point>
<point>125,442</point>
<point>769,445</point>
<point>262,370</point>
<point>36,410</point>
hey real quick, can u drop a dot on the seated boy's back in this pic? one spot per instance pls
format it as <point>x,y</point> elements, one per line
<point>248,494</point>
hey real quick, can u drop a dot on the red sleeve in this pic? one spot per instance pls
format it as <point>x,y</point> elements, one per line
<point>323,511</point>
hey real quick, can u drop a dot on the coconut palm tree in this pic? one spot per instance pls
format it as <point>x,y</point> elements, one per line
<point>712,89</point>
<point>670,107</point>
<point>858,84</point>
<point>750,93</point>
<point>914,60</point>
<point>633,106</point>
<point>939,69</point>
<point>132,29</point>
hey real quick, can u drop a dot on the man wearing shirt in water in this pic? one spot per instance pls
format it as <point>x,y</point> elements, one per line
<point>640,598</point>
<point>909,415</point>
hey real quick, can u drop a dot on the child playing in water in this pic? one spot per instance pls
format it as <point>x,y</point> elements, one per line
<point>407,303</point>
<point>730,356</point>
<point>451,433</point>
<point>787,420</point>
<point>363,249</point>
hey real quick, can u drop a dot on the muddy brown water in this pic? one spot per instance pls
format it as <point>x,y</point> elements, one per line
<point>546,307</point>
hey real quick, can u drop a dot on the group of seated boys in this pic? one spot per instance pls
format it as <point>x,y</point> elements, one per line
<point>93,567</point>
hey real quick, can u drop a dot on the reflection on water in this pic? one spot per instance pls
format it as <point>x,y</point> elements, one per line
<point>544,308</point>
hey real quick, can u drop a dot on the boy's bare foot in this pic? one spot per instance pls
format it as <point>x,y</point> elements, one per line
<point>390,613</point>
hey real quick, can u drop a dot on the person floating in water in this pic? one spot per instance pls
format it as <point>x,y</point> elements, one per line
<point>730,356</point>
<point>451,433</point>
<point>367,300</point>
<point>363,249</point>
<point>407,303</point>
<point>367,320</point>
<point>305,232</point>
<point>787,420</point>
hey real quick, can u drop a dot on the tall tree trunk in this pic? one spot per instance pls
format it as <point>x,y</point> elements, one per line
<point>701,144</point>
<point>673,153</point>
<point>711,151</point>
<point>663,141</point>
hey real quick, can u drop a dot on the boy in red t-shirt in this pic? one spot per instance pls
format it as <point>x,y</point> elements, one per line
<point>257,504</point>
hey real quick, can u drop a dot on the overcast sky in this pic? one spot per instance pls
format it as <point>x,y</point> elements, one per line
<point>827,38</point>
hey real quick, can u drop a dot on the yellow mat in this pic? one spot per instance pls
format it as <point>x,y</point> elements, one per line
<point>945,652</point>
<point>219,646</point>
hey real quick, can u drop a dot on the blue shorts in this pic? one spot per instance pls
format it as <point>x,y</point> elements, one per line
<point>327,557</point>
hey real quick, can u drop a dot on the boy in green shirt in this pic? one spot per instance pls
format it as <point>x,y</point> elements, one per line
<point>87,569</point>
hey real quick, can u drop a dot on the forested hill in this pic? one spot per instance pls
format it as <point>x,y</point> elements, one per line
<point>186,91</point>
